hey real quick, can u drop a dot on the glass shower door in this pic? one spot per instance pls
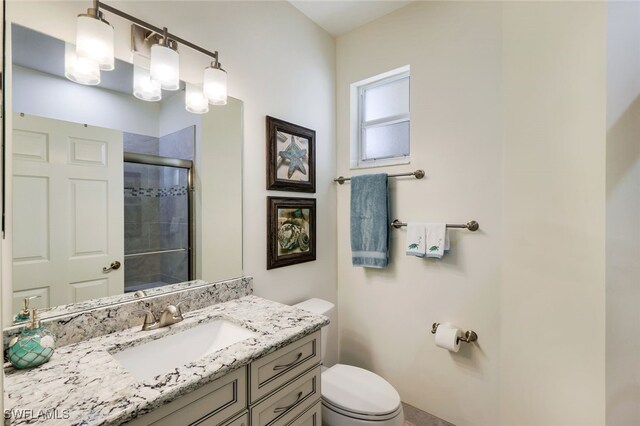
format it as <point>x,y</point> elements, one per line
<point>157,220</point>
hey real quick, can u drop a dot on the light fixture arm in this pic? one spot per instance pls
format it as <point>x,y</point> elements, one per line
<point>97,4</point>
<point>164,41</point>
<point>95,12</point>
<point>216,64</point>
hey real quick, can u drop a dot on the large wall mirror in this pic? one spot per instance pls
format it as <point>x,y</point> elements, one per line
<point>110,195</point>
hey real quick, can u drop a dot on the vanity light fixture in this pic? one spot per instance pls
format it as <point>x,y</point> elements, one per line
<point>144,87</point>
<point>215,83</point>
<point>195,101</point>
<point>95,48</point>
<point>165,63</point>
<point>80,70</point>
<point>94,38</point>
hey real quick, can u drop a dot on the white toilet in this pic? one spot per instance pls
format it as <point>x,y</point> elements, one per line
<point>353,396</point>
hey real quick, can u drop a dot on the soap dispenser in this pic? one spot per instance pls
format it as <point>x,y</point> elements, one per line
<point>33,347</point>
<point>24,314</point>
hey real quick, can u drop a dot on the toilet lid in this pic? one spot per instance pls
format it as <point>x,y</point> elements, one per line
<point>358,391</point>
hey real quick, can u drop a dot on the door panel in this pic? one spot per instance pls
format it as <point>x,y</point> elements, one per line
<point>30,146</point>
<point>87,152</point>
<point>32,199</point>
<point>88,221</point>
<point>92,289</point>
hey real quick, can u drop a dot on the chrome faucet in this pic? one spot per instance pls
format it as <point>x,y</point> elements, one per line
<point>170,315</point>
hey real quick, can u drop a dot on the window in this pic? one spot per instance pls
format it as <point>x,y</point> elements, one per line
<point>380,120</point>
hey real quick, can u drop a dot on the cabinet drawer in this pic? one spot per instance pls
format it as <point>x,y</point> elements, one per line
<point>288,403</point>
<point>242,420</point>
<point>209,405</point>
<point>311,417</point>
<point>274,370</point>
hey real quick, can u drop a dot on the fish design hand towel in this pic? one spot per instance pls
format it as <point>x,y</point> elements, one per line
<point>416,239</point>
<point>436,242</point>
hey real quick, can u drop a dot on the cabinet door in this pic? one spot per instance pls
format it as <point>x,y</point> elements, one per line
<point>213,403</point>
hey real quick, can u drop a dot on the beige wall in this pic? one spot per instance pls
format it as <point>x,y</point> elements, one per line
<point>456,131</point>
<point>508,120</point>
<point>623,211</point>
<point>271,52</point>
<point>552,298</point>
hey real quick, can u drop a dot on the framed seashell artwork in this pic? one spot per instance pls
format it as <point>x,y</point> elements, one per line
<point>291,231</point>
<point>291,164</point>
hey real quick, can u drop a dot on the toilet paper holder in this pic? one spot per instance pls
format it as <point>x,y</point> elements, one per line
<point>469,335</point>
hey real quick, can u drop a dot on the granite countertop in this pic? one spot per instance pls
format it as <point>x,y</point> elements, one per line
<point>83,384</point>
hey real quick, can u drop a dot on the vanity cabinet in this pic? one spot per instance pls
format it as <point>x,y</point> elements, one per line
<point>279,389</point>
<point>209,405</point>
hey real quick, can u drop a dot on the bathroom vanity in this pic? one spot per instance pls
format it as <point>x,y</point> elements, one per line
<point>269,377</point>
<point>281,388</point>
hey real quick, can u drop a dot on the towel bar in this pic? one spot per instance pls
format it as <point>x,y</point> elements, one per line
<point>471,225</point>
<point>419,174</point>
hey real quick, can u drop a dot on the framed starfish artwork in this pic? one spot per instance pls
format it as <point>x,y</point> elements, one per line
<point>291,231</point>
<point>291,157</point>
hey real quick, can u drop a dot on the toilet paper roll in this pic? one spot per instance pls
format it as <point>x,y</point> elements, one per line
<point>447,338</point>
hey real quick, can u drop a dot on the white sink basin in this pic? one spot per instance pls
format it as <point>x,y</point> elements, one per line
<point>162,355</point>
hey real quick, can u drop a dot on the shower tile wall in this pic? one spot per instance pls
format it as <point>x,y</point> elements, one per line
<point>142,217</point>
<point>141,144</point>
<point>180,144</point>
<point>156,212</point>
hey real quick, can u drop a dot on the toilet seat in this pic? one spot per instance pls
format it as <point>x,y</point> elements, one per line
<point>358,416</point>
<point>359,394</point>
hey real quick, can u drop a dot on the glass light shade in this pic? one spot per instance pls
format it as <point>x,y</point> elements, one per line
<point>143,87</point>
<point>80,70</point>
<point>195,101</point>
<point>94,40</point>
<point>165,67</point>
<point>215,85</point>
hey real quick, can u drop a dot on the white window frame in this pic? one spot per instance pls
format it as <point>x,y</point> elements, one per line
<point>358,125</point>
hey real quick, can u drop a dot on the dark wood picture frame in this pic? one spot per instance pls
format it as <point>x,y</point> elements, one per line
<point>289,211</point>
<point>274,127</point>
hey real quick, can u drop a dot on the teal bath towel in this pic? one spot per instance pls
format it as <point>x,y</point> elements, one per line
<point>370,221</point>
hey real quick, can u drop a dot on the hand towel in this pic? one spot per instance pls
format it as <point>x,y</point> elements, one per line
<point>447,243</point>
<point>370,221</point>
<point>436,239</point>
<point>416,237</point>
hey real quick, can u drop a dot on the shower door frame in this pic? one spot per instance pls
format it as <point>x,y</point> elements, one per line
<point>154,160</point>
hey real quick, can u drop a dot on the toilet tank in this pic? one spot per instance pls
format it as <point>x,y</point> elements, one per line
<point>320,307</point>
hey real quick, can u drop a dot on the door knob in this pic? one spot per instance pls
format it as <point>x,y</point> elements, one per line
<point>115,265</point>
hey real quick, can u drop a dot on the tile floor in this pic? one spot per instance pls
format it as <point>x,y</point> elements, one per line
<point>416,417</point>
